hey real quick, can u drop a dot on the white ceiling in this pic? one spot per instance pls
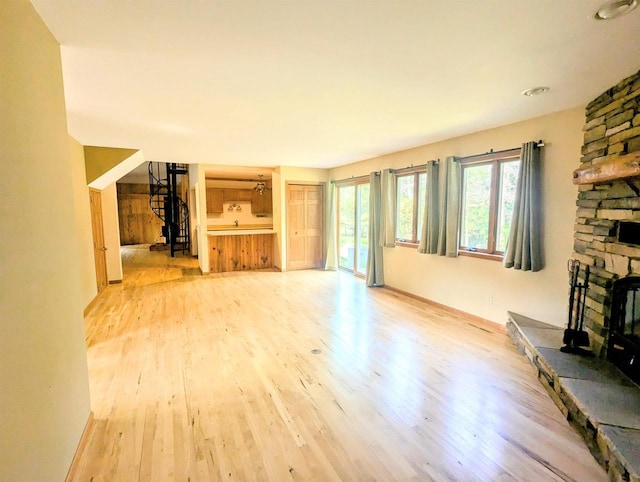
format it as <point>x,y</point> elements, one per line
<point>327,82</point>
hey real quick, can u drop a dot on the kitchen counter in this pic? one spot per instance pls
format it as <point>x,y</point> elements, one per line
<point>239,249</point>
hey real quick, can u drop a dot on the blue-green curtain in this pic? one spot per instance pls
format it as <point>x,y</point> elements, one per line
<point>524,245</point>
<point>375,269</point>
<point>449,207</point>
<point>430,225</point>
<point>388,224</point>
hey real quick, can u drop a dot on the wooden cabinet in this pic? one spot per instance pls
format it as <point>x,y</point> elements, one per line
<point>214,200</point>
<point>240,252</point>
<point>236,195</point>
<point>262,203</point>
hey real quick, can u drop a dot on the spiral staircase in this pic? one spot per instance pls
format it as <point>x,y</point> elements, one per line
<point>166,203</point>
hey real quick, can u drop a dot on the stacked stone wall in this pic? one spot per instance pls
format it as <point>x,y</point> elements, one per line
<point>612,128</point>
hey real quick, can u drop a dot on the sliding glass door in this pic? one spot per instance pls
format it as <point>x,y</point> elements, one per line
<point>353,227</point>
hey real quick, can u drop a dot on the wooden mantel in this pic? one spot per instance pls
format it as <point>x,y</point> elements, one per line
<point>613,168</point>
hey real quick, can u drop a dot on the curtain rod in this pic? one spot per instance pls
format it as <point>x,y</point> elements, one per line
<point>539,143</point>
<point>419,166</point>
<point>366,176</point>
<point>352,178</point>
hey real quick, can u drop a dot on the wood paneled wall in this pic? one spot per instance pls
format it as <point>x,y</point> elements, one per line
<point>127,188</point>
<point>138,224</point>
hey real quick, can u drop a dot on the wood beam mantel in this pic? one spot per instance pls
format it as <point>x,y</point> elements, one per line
<point>613,168</point>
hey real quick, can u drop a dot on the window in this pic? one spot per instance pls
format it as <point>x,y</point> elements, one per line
<point>488,195</point>
<point>411,191</point>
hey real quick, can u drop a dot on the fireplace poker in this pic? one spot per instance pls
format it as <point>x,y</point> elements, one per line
<point>572,324</point>
<point>582,337</point>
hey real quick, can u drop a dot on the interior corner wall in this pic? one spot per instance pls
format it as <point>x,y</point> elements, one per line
<point>279,210</point>
<point>83,223</point>
<point>45,403</point>
<point>198,181</point>
<point>482,287</point>
<point>111,226</point>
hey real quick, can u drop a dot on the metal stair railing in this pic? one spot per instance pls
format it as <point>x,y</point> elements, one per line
<point>168,206</point>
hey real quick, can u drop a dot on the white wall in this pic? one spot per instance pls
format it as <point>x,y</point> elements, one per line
<point>44,401</point>
<point>482,287</point>
<point>83,223</point>
<point>111,232</point>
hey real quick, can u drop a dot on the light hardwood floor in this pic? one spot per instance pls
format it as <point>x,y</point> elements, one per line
<point>203,378</point>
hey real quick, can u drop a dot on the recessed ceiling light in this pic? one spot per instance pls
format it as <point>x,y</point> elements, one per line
<point>535,91</point>
<point>615,8</point>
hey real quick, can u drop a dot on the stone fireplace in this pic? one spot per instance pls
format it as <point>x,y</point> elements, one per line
<point>607,237</point>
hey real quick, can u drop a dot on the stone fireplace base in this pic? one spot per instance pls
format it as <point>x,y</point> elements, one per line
<point>597,398</point>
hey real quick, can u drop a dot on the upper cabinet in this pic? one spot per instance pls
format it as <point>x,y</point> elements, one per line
<point>214,200</point>
<point>236,195</point>
<point>262,203</point>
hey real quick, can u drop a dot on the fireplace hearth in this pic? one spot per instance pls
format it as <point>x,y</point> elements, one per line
<point>624,327</point>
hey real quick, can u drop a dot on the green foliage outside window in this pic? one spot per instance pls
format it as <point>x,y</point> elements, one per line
<point>363,227</point>
<point>475,207</point>
<point>404,207</point>
<point>508,184</point>
<point>478,198</point>
<point>411,192</point>
<point>346,223</point>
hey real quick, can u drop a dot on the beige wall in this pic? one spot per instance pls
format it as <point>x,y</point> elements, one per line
<point>83,223</point>
<point>111,232</point>
<point>43,367</point>
<point>481,287</point>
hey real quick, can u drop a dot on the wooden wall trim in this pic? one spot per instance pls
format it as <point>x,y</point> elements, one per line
<point>478,321</point>
<point>84,439</point>
<point>613,168</point>
<point>91,304</point>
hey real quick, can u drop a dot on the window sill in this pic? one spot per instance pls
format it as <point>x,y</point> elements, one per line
<point>407,244</point>
<point>461,252</point>
<point>481,255</point>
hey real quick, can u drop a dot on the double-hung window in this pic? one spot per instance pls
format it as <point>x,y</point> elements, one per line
<point>488,195</point>
<point>411,191</point>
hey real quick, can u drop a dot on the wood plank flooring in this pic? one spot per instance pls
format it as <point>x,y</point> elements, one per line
<point>205,378</point>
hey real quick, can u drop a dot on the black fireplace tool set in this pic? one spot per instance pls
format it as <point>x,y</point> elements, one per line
<point>575,337</point>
